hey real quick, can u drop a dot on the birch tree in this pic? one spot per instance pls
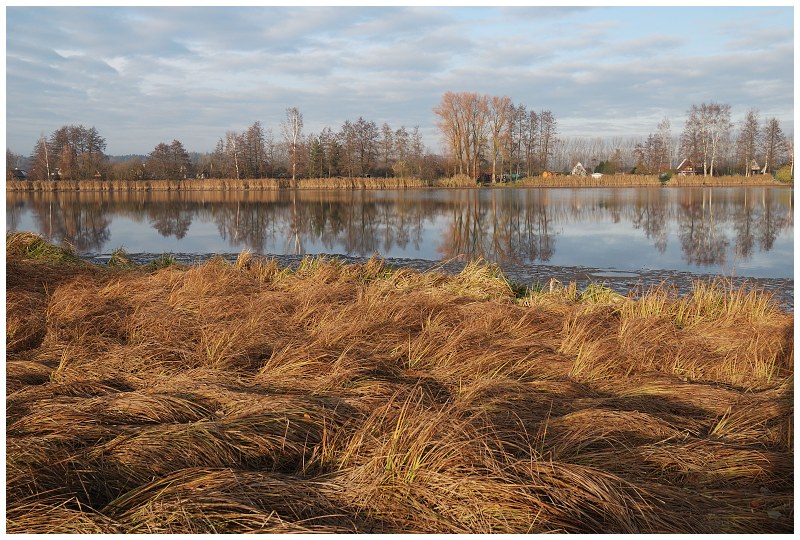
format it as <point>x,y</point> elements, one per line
<point>233,148</point>
<point>40,161</point>
<point>707,128</point>
<point>292,129</point>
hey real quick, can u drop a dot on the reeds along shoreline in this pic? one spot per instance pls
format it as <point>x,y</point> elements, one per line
<point>247,397</point>
<point>346,183</point>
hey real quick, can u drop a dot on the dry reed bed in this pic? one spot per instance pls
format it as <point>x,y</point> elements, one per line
<point>348,183</point>
<point>357,398</point>
<point>217,184</point>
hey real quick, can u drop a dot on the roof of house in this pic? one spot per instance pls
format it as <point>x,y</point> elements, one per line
<point>579,170</point>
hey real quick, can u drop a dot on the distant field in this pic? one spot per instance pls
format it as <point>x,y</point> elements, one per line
<point>378,183</point>
<point>246,397</point>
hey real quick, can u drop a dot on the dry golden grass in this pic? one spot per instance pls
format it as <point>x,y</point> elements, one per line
<point>623,180</point>
<point>217,184</point>
<point>348,183</point>
<point>246,397</point>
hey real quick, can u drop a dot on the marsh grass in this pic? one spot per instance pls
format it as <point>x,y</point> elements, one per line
<point>247,397</point>
<point>350,183</point>
<point>636,180</point>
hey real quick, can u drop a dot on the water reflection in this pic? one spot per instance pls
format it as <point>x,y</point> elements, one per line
<point>673,228</point>
<point>511,227</point>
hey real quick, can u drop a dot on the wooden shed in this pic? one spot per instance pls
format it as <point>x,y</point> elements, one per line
<point>686,168</point>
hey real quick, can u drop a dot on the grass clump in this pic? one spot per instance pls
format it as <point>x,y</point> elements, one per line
<point>250,398</point>
<point>600,294</point>
<point>33,246</point>
<point>120,259</point>
<point>165,260</point>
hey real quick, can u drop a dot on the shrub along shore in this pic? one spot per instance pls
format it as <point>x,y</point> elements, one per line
<point>264,184</point>
<point>245,397</point>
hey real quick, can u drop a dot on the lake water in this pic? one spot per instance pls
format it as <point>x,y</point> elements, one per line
<point>616,234</point>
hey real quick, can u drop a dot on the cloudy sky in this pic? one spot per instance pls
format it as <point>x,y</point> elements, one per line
<point>147,75</point>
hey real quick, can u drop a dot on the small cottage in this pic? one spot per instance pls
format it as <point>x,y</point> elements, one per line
<point>686,168</point>
<point>578,170</point>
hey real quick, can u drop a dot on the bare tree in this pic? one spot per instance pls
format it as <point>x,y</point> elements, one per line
<point>517,127</point>
<point>402,142</point>
<point>747,142</point>
<point>478,109</point>
<point>652,156</point>
<point>366,133</point>
<point>233,148</point>
<point>331,151</point>
<point>168,161</point>
<point>773,143</point>
<point>664,136</point>
<point>347,142</point>
<point>387,148</point>
<point>292,129</point>
<point>269,153</point>
<point>417,152</point>
<point>254,152</point>
<point>451,124</point>
<point>499,114</point>
<point>531,142</point>
<point>76,152</point>
<point>548,129</point>
<point>463,119</point>
<point>40,161</point>
<point>180,162</point>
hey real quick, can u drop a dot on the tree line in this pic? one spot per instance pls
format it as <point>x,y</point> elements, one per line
<point>482,135</point>
<point>710,141</point>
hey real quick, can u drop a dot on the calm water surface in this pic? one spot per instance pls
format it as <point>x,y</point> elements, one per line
<point>612,232</point>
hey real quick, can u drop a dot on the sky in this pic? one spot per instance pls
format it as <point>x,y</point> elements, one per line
<point>146,75</point>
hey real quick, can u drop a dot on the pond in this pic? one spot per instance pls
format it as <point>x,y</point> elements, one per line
<point>615,235</point>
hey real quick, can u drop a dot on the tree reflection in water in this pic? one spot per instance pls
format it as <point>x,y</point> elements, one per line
<point>702,240</point>
<point>65,218</point>
<point>516,226</point>
<point>509,229</point>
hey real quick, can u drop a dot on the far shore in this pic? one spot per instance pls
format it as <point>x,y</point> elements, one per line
<point>345,183</point>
